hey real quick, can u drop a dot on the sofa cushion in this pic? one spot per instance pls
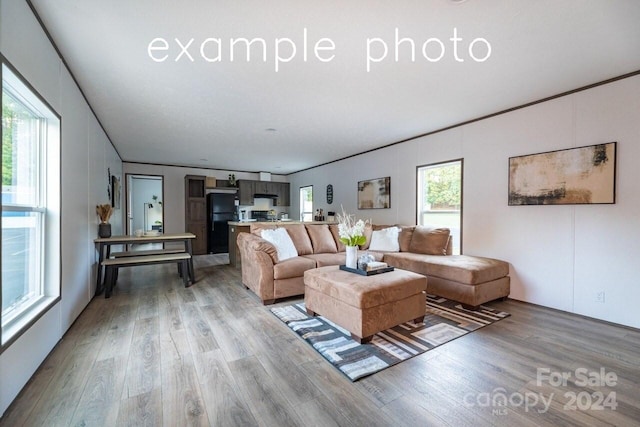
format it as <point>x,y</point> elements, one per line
<point>282,242</point>
<point>322,260</point>
<point>293,267</point>
<point>321,239</point>
<point>470,270</point>
<point>257,228</point>
<point>368,231</point>
<point>300,238</point>
<point>375,227</point>
<point>429,240</point>
<point>385,240</point>
<point>404,239</point>
<point>336,237</point>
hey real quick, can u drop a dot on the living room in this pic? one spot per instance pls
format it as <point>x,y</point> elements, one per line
<point>561,257</point>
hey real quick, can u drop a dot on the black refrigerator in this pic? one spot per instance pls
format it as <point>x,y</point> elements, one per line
<point>220,209</point>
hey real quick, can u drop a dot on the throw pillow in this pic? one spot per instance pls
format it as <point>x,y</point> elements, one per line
<point>300,238</point>
<point>404,239</point>
<point>385,240</point>
<point>321,239</point>
<point>336,237</point>
<point>429,240</point>
<point>368,230</point>
<point>282,241</point>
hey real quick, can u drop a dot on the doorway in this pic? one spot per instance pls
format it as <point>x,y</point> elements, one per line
<point>145,203</point>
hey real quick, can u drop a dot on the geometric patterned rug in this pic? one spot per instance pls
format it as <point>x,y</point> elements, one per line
<point>444,321</point>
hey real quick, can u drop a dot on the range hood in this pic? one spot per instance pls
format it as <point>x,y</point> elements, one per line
<point>265,196</point>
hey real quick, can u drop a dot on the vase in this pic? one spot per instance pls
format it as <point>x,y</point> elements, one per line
<point>104,229</point>
<point>352,256</point>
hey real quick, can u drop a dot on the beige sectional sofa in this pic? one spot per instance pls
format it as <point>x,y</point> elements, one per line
<point>470,280</point>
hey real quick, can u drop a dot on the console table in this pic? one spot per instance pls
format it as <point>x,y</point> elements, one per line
<point>104,249</point>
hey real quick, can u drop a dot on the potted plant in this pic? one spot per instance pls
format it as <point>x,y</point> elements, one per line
<point>104,213</point>
<point>351,234</point>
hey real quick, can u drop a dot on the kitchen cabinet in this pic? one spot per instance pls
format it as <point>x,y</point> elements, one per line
<point>246,190</point>
<point>261,187</point>
<point>284,197</point>
<point>234,251</point>
<point>195,212</point>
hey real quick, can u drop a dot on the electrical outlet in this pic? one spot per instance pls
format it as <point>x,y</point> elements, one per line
<point>600,296</point>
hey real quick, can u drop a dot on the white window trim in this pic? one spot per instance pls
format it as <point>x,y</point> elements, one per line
<point>49,205</point>
<point>420,212</point>
<point>302,211</point>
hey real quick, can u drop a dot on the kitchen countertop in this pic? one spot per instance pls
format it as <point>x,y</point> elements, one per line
<point>278,222</point>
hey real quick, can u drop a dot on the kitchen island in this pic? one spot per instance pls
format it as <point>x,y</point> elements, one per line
<point>236,227</point>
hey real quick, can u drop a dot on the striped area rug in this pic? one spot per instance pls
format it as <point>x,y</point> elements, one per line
<point>444,321</point>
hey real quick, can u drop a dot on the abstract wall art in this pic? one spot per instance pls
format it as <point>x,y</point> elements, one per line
<point>582,175</point>
<point>374,193</point>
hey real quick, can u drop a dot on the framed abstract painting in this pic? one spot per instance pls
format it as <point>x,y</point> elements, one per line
<point>575,176</point>
<point>374,193</point>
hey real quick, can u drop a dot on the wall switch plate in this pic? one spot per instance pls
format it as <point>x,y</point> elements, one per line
<point>600,296</point>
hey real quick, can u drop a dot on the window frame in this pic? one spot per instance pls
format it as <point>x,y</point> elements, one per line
<point>49,208</point>
<point>302,212</point>
<point>419,190</point>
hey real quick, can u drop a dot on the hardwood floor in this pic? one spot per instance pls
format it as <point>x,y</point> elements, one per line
<point>157,354</point>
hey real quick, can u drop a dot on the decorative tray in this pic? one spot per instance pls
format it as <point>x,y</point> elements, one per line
<point>366,273</point>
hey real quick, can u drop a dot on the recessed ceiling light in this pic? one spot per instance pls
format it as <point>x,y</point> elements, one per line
<point>203,160</point>
<point>270,130</point>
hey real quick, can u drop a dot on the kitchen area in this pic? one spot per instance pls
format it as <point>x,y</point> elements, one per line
<point>216,211</point>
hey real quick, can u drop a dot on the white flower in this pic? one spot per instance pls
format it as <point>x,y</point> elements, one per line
<point>351,232</point>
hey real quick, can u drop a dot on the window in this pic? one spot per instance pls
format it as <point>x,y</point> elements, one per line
<point>30,206</point>
<point>440,198</point>
<point>306,203</point>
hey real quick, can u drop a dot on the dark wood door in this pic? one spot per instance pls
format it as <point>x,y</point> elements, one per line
<point>195,212</point>
<point>199,244</point>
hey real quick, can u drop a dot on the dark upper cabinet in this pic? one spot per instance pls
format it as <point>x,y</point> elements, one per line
<point>284,197</point>
<point>248,188</point>
<point>195,212</point>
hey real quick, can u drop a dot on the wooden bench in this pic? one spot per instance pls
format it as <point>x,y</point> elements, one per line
<point>145,253</point>
<point>112,265</point>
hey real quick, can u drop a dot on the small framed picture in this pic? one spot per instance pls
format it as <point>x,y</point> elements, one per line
<point>374,193</point>
<point>115,192</point>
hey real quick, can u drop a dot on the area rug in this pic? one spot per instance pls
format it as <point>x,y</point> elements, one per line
<point>444,321</point>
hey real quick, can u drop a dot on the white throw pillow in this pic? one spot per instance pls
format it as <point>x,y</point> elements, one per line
<point>282,241</point>
<point>385,240</point>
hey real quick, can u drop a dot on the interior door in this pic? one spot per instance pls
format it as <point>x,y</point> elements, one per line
<point>145,203</point>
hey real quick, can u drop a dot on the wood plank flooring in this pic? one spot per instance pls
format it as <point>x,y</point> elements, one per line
<point>157,354</point>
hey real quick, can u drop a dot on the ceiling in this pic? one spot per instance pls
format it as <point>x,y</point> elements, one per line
<point>242,114</point>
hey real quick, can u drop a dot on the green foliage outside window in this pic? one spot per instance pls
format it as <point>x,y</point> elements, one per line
<point>443,189</point>
<point>8,117</point>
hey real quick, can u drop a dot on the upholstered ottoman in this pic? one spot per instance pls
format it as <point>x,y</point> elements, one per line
<point>365,305</point>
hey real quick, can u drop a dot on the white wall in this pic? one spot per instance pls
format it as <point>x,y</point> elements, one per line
<point>87,154</point>
<point>560,256</point>
<point>174,189</point>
